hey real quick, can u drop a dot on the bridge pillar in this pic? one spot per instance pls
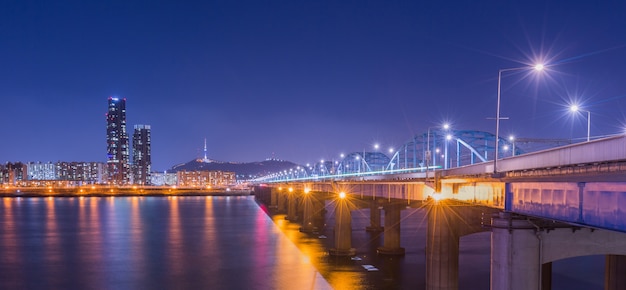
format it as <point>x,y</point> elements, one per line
<point>374,218</point>
<point>442,249</point>
<point>299,205</point>
<point>615,272</point>
<point>319,211</point>
<point>273,199</point>
<point>281,198</point>
<point>308,212</point>
<point>391,239</point>
<point>292,215</point>
<point>343,230</point>
<point>515,254</point>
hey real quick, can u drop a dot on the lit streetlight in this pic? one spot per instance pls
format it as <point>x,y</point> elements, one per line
<point>575,108</point>
<point>537,67</point>
<point>445,126</point>
<point>512,140</point>
<point>448,138</point>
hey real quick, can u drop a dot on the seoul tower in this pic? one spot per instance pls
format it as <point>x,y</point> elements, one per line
<point>206,160</point>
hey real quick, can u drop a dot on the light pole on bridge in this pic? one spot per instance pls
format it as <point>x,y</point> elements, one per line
<point>537,67</point>
<point>575,108</point>
<point>429,155</point>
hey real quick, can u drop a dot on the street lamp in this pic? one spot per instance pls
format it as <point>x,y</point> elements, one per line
<point>537,67</point>
<point>512,140</point>
<point>445,126</point>
<point>575,108</point>
<point>448,138</point>
<point>428,153</point>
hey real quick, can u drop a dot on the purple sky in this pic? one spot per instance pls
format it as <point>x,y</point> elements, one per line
<point>301,80</point>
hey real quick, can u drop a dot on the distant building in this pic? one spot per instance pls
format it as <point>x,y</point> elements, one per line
<point>142,163</point>
<point>13,173</point>
<point>41,171</point>
<point>82,172</point>
<point>118,166</point>
<point>205,178</point>
<point>72,173</point>
<point>163,179</point>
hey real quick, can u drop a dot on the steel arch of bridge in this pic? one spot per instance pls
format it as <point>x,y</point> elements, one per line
<point>358,162</point>
<point>464,147</point>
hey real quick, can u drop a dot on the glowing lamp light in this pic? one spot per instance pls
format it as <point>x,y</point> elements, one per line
<point>539,67</point>
<point>342,195</point>
<point>307,190</point>
<point>291,189</point>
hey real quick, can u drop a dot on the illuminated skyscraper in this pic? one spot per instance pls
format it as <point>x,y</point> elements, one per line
<point>118,166</point>
<point>142,162</point>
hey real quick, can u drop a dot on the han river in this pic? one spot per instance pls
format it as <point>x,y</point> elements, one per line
<point>220,242</point>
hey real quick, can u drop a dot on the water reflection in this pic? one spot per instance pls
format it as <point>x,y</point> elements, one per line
<point>338,271</point>
<point>9,239</point>
<point>205,243</point>
<point>147,243</point>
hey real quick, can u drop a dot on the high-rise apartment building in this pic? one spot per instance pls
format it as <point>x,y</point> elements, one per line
<point>118,166</point>
<point>142,162</point>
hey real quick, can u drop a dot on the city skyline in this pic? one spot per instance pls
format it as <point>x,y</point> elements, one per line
<point>305,81</point>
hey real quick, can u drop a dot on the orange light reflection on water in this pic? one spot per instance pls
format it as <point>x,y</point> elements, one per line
<point>9,237</point>
<point>316,254</point>
<point>174,236</point>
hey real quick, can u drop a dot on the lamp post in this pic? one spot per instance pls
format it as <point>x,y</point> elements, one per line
<point>448,138</point>
<point>537,67</point>
<point>575,108</point>
<point>428,153</point>
<point>512,140</point>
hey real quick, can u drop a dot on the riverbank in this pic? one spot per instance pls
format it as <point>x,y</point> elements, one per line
<point>117,191</point>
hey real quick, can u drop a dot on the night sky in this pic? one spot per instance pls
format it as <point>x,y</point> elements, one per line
<point>301,80</point>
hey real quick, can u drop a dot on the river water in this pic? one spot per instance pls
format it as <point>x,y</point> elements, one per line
<point>219,243</point>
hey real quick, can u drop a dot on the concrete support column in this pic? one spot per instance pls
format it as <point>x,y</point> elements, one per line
<point>343,230</point>
<point>374,218</point>
<point>442,249</point>
<point>299,205</point>
<point>515,254</point>
<point>308,225</point>
<point>319,212</point>
<point>273,199</point>
<point>391,239</point>
<point>291,207</point>
<point>615,272</point>
<point>282,201</point>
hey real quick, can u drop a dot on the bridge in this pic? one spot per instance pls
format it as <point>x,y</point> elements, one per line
<point>540,207</point>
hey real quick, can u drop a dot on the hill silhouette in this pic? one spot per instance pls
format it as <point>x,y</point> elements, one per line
<point>242,170</point>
